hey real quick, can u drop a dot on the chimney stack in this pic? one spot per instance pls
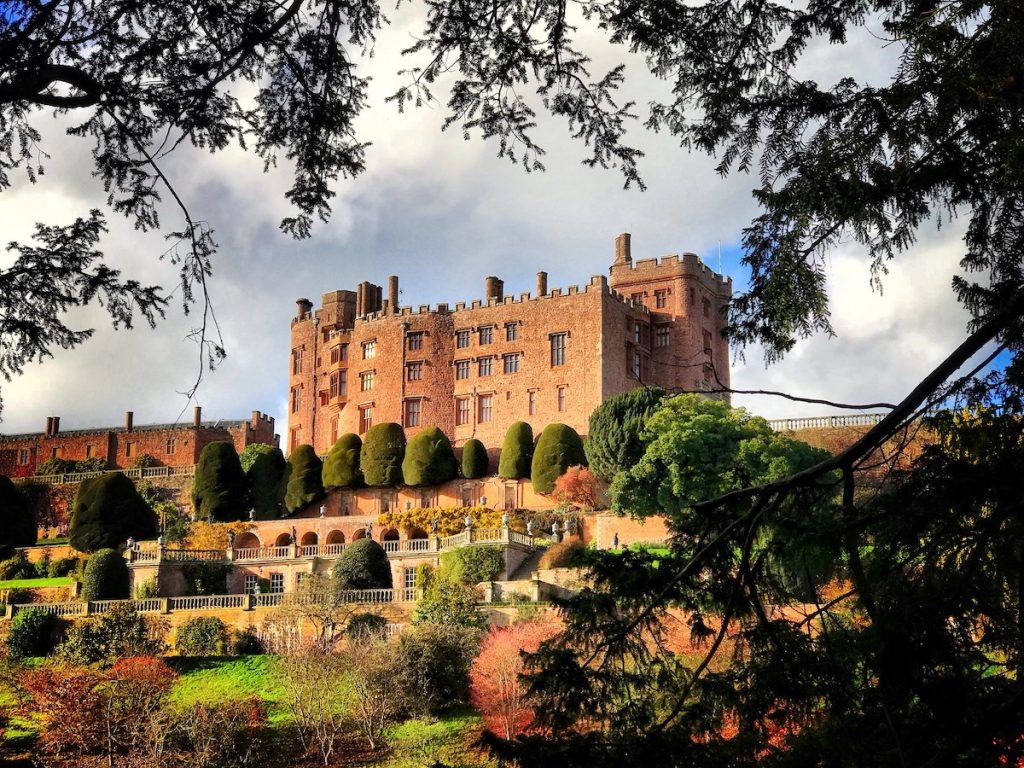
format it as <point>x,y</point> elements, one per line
<point>393,293</point>
<point>494,288</point>
<point>302,307</point>
<point>622,250</point>
<point>360,301</point>
<point>49,426</point>
<point>128,419</point>
<point>542,283</point>
<point>197,416</point>
<point>55,430</point>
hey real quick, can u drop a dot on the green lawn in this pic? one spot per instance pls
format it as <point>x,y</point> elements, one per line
<point>447,740</point>
<point>58,581</point>
<point>226,678</point>
<point>55,541</point>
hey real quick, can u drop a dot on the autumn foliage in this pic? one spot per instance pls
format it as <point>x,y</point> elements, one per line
<point>497,689</point>
<point>579,487</point>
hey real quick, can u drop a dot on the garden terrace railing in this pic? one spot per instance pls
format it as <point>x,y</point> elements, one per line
<point>136,473</point>
<point>827,422</point>
<point>408,545</point>
<point>180,555</point>
<point>56,609</point>
<point>206,602</point>
<point>269,599</point>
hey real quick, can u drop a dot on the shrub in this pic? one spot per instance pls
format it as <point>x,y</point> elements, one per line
<point>363,565</point>
<point>17,520</point>
<point>106,576</point>
<point>305,478</point>
<point>432,663</point>
<point>205,578</point>
<point>220,734</point>
<point>474,459</point>
<point>220,490</point>
<point>147,589</point>
<point>578,486</point>
<point>570,553</point>
<point>265,475</point>
<point>613,439</point>
<point>429,459</point>
<point>382,454</point>
<point>145,461</point>
<point>341,468</point>
<point>246,642</point>
<point>447,602</point>
<point>16,567</point>
<point>62,566</point>
<point>366,626</point>
<point>108,510</point>
<point>471,565</point>
<point>516,451</point>
<point>558,448</point>
<point>33,632</point>
<point>202,636</point>
<point>497,688</point>
<point>71,713</point>
<point>118,633</point>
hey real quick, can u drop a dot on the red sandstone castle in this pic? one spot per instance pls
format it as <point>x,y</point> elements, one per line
<point>362,359</point>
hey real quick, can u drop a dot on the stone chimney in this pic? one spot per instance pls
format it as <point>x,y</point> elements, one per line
<point>49,426</point>
<point>55,429</point>
<point>494,288</point>
<point>622,250</point>
<point>129,416</point>
<point>393,293</point>
<point>197,416</point>
<point>302,307</point>
<point>542,283</point>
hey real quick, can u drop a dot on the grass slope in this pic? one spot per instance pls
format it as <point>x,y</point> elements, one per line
<point>58,581</point>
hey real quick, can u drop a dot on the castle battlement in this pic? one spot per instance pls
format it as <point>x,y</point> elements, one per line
<point>667,267</point>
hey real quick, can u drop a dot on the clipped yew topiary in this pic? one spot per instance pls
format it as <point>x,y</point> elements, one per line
<point>558,448</point>
<point>382,454</point>
<point>341,467</point>
<point>429,459</point>
<point>106,511</point>
<point>106,576</point>
<point>516,452</point>
<point>17,521</point>
<point>220,491</point>
<point>474,459</point>
<point>265,475</point>
<point>613,442</point>
<point>363,565</point>
<point>305,478</point>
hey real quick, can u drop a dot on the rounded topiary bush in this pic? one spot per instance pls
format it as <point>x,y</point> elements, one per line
<point>382,454</point>
<point>341,467</point>
<point>363,565</point>
<point>33,632</point>
<point>202,636</point>
<point>516,452</point>
<point>429,459</point>
<point>558,448</point>
<point>17,521</point>
<point>474,459</point>
<point>265,476</point>
<point>106,576</point>
<point>107,511</point>
<point>220,490</point>
<point>305,478</point>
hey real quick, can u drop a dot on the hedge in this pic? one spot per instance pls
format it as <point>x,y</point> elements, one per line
<point>558,448</point>
<point>341,467</point>
<point>107,511</point>
<point>382,454</point>
<point>474,459</point>
<point>305,478</point>
<point>106,577</point>
<point>201,636</point>
<point>265,475</point>
<point>429,459</point>
<point>363,564</point>
<point>516,452</point>
<point>471,565</point>
<point>33,632</point>
<point>220,491</point>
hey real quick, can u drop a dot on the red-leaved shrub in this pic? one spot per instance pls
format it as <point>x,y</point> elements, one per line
<point>579,487</point>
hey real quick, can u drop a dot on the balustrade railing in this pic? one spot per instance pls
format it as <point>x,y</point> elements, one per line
<point>827,422</point>
<point>136,473</point>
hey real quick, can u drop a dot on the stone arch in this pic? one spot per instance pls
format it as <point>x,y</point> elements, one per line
<point>417,533</point>
<point>335,537</point>
<point>358,533</point>
<point>283,540</point>
<point>389,534</point>
<point>247,540</point>
<point>309,539</point>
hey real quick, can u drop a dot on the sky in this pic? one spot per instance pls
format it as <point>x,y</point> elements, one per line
<point>442,213</point>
